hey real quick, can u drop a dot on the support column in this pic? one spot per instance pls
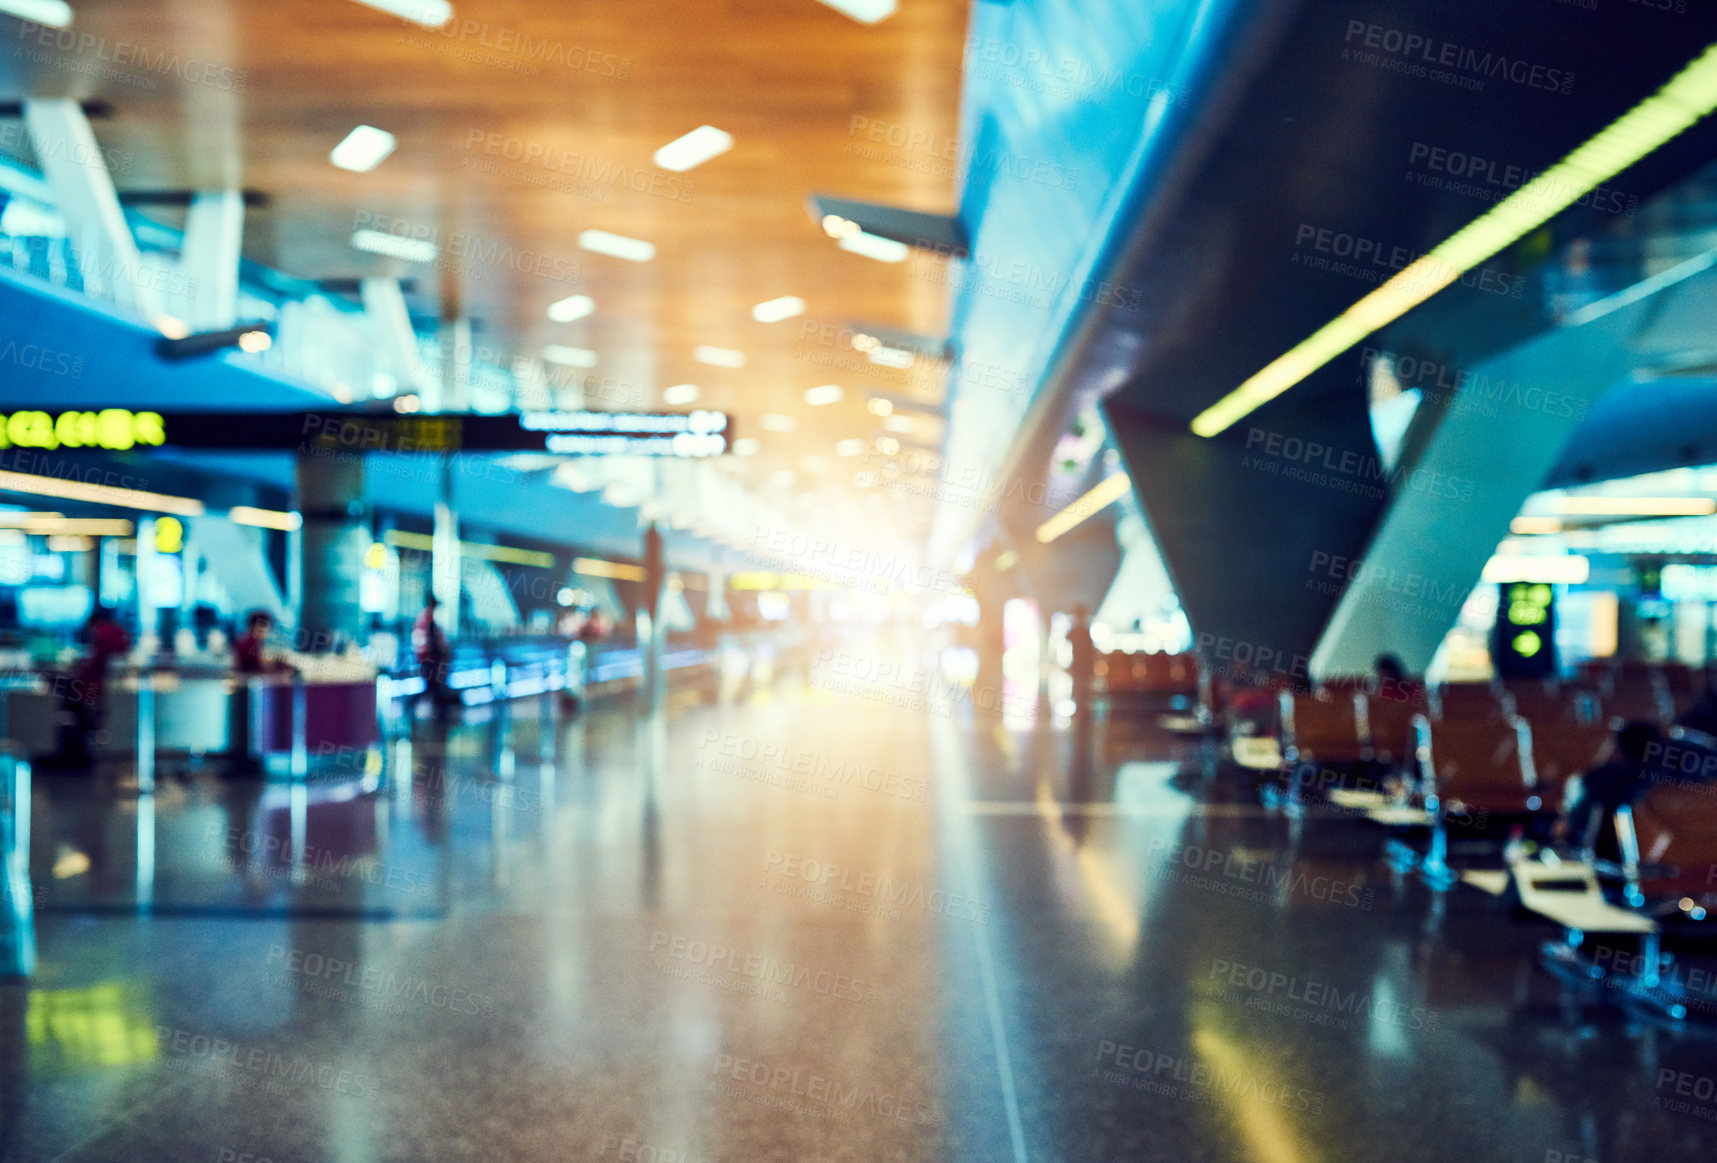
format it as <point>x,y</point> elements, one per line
<point>333,540</point>
<point>214,241</point>
<point>650,615</point>
<point>445,575</point>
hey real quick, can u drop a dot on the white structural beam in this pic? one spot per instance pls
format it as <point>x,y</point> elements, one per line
<point>214,239</point>
<point>76,170</point>
<point>396,342</point>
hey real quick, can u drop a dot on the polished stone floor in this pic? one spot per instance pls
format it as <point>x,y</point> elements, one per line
<point>819,922</point>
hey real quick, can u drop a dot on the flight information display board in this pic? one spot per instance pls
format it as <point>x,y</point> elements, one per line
<point>1524,643</point>
<point>695,435</point>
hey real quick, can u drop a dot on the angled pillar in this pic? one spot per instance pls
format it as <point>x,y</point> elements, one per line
<point>396,341</point>
<point>214,241</point>
<point>76,168</point>
<point>1241,519</point>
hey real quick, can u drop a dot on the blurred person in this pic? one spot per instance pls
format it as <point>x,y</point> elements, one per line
<point>1083,666</point>
<point>250,651</point>
<point>82,692</point>
<point>1390,680</point>
<point>429,643</point>
<point>1628,768</point>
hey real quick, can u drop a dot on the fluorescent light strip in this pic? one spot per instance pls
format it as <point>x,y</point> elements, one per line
<point>429,13</point>
<point>571,308</point>
<point>775,310</point>
<point>363,150</point>
<point>18,482</point>
<point>394,246</point>
<point>1111,489</point>
<point>776,422</point>
<point>719,356</point>
<point>680,394</point>
<point>47,524</point>
<point>596,567</point>
<point>1534,526</point>
<point>265,518</point>
<point>823,394</point>
<point>617,246</point>
<point>53,13</point>
<point>694,149</point>
<point>1689,96</point>
<point>872,246</point>
<point>864,11</point>
<point>569,356</point>
<point>425,542</point>
<point>1636,506</point>
<point>1568,569</point>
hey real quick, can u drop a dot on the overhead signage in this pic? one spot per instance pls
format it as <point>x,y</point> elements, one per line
<point>689,435</point>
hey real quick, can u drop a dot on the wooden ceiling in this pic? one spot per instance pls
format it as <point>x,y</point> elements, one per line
<point>523,123</point>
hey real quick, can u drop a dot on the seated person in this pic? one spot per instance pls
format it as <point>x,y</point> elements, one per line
<point>1628,769</point>
<point>249,652</point>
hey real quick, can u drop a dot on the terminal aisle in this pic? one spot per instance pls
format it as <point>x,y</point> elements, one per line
<point>813,925</point>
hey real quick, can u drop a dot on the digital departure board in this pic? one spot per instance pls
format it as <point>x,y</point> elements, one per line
<point>1524,642</point>
<point>686,435</point>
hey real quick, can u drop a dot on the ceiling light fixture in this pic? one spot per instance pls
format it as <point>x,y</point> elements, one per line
<point>1686,98</point>
<point>571,308</point>
<point>680,394</point>
<point>825,394</point>
<point>363,150</point>
<point>1111,489</point>
<point>694,149</point>
<point>775,310</point>
<point>569,356</point>
<point>745,446</point>
<point>265,518</point>
<point>853,447</point>
<point>53,13</point>
<point>73,490</point>
<point>617,245</point>
<point>873,246</point>
<point>1635,506</point>
<point>429,13</point>
<point>880,407</point>
<point>863,11</point>
<point>719,356</point>
<point>899,423</point>
<point>1526,526</point>
<point>775,422</point>
<point>394,245</point>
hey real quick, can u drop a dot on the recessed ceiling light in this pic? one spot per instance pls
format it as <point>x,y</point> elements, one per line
<point>872,246</point>
<point>826,394</point>
<point>776,310</point>
<point>719,356</point>
<point>899,423</point>
<point>394,245</point>
<point>429,13</point>
<point>570,308</point>
<point>694,149</point>
<point>782,478</point>
<point>886,356</point>
<point>617,245</point>
<point>775,422</point>
<point>569,356</point>
<point>887,445</point>
<point>745,446</point>
<point>864,11</point>
<point>854,447</point>
<point>880,407</point>
<point>53,13</point>
<point>363,149</point>
<point>680,394</point>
